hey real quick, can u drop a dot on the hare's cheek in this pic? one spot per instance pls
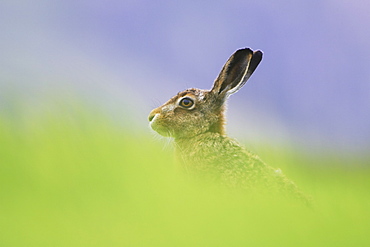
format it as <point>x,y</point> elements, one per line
<point>181,114</point>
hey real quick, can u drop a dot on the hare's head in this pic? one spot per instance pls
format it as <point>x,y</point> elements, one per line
<point>196,111</point>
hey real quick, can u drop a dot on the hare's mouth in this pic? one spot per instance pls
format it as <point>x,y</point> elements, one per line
<point>157,126</point>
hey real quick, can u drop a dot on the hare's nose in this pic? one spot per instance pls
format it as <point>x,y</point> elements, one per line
<point>151,116</point>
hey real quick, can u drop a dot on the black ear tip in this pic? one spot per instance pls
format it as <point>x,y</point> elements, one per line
<point>257,56</point>
<point>244,51</point>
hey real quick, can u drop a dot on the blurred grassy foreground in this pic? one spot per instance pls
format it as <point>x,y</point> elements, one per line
<point>82,180</point>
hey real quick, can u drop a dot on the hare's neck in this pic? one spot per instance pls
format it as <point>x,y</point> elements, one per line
<point>194,150</point>
<point>219,126</point>
<point>194,143</point>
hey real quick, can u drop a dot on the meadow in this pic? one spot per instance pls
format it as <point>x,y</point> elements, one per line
<point>75,177</point>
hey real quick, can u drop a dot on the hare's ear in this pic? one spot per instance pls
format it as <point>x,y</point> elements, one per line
<point>236,72</point>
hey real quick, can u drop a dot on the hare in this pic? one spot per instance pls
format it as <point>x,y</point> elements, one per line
<point>195,118</point>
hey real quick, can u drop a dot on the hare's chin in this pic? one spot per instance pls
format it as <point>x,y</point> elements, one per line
<point>163,132</point>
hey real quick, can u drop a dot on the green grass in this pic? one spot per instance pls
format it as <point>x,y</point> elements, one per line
<point>81,180</point>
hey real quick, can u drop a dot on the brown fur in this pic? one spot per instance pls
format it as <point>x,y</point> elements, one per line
<point>199,132</point>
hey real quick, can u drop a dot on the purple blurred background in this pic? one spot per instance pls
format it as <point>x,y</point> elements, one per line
<point>312,89</point>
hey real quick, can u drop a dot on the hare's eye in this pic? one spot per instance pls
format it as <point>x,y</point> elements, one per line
<point>186,102</point>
